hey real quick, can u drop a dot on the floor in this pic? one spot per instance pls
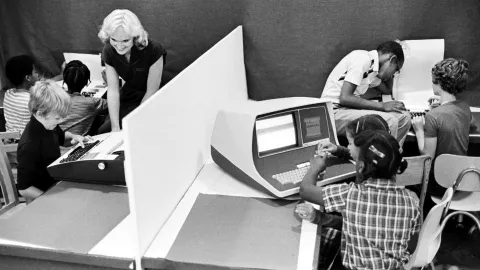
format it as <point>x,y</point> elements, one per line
<point>458,250</point>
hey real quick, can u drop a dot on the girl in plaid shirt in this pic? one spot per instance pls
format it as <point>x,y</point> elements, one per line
<point>378,216</point>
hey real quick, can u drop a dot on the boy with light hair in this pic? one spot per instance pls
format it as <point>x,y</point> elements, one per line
<point>40,142</point>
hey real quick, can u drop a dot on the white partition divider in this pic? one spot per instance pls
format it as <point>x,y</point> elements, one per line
<point>413,85</point>
<point>167,138</point>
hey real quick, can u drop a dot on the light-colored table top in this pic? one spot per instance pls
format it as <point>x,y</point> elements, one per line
<point>213,180</point>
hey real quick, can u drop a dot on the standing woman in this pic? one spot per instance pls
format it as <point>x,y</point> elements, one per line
<point>130,54</point>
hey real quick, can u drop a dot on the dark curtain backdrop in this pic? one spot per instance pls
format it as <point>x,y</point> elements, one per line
<point>290,46</point>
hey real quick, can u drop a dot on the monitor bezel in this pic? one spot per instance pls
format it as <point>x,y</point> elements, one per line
<point>298,132</point>
<point>280,149</point>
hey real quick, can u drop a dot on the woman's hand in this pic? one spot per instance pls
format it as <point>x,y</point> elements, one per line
<point>305,211</point>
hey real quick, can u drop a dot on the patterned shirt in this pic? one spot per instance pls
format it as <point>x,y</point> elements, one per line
<point>358,67</point>
<point>82,113</point>
<point>378,219</point>
<point>15,106</point>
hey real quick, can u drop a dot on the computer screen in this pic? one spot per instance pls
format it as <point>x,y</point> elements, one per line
<point>268,144</point>
<point>314,125</point>
<point>275,133</point>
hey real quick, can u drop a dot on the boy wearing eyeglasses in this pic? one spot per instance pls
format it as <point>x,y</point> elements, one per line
<point>360,75</point>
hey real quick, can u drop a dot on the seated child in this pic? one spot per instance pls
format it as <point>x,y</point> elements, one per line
<point>445,129</point>
<point>84,109</point>
<point>40,142</point>
<point>379,217</point>
<point>21,72</point>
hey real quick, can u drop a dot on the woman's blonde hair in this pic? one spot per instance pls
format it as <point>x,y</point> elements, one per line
<point>130,23</point>
<point>47,98</point>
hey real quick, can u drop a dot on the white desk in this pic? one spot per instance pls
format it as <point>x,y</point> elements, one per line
<point>213,180</point>
<point>71,226</point>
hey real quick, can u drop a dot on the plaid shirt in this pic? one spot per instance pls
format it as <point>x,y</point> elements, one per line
<point>378,219</point>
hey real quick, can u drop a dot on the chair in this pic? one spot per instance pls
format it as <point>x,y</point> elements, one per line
<point>417,173</point>
<point>462,173</point>
<point>431,233</point>
<point>7,180</point>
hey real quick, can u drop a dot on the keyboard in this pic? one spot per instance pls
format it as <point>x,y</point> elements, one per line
<point>417,113</point>
<point>296,175</point>
<point>291,177</point>
<point>78,152</point>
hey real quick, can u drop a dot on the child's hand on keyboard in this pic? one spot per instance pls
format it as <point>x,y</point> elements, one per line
<point>305,211</point>
<point>80,139</point>
<point>327,146</point>
<point>317,163</point>
<point>418,122</point>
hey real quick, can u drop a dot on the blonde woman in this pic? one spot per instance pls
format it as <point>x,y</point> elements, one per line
<point>130,54</point>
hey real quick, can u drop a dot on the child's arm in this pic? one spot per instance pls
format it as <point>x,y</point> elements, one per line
<point>348,99</point>
<point>473,123</point>
<point>30,193</point>
<point>308,187</point>
<point>426,145</point>
<point>385,87</point>
<point>337,150</point>
<point>29,156</point>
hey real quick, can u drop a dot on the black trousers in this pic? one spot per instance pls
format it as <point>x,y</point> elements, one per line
<point>125,109</point>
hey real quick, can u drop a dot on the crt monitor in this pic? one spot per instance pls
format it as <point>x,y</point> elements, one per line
<point>268,144</point>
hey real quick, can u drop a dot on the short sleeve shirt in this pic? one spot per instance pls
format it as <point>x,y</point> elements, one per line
<point>82,113</point>
<point>135,72</point>
<point>378,219</point>
<point>16,111</point>
<point>37,148</point>
<point>450,124</point>
<point>359,68</point>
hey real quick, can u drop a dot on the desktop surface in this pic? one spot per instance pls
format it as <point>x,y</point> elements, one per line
<point>70,217</point>
<point>234,231</point>
<point>246,226</point>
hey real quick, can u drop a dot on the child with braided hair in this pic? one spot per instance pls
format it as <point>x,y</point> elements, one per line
<point>445,129</point>
<point>84,109</point>
<point>379,217</point>
<point>366,122</point>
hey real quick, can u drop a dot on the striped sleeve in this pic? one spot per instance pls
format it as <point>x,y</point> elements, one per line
<point>81,115</point>
<point>16,111</point>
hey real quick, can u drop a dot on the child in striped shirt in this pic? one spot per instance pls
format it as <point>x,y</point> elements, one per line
<point>21,72</point>
<point>84,109</point>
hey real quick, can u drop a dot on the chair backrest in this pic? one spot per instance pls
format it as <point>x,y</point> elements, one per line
<point>7,181</point>
<point>461,170</point>
<point>2,115</point>
<point>417,173</point>
<point>430,234</point>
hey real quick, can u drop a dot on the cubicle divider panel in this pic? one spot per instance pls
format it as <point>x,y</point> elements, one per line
<point>168,137</point>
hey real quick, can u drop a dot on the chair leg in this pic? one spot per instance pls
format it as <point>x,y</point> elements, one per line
<point>460,222</point>
<point>475,226</point>
<point>432,265</point>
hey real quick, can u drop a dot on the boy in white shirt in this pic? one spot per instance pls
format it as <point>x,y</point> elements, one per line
<point>359,75</point>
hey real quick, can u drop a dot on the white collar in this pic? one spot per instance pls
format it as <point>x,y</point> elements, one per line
<point>374,56</point>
